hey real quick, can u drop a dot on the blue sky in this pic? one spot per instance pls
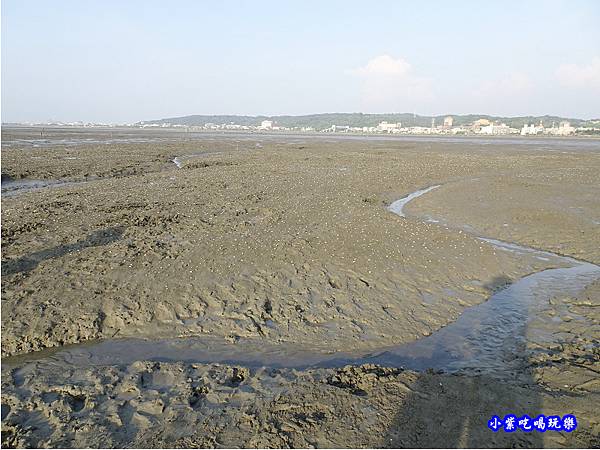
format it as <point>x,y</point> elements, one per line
<point>124,61</point>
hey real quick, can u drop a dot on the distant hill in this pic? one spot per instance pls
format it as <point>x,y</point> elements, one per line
<point>322,121</point>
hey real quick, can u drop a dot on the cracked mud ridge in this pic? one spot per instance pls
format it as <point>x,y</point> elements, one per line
<point>187,291</point>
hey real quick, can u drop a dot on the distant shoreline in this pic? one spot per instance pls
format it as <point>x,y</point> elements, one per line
<point>172,130</point>
<point>43,136</point>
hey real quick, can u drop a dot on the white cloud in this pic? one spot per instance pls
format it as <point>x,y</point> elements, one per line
<point>390,84</point>
<point>384,65</point>
<point>580,76</point>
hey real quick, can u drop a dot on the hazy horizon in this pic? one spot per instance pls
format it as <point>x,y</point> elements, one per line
<point>483,114</point>
<point>119,62</point>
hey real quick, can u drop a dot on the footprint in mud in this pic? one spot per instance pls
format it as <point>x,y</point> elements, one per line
<point>157,379</point>
<point>238,375</point>
<point>76,402</point>
<point>198,396</point>
<point>5,411</point>
<point>131,419</point>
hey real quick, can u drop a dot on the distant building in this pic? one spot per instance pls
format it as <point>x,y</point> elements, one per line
<point>266,124</point>
<point>459,130</point>
<point>337,129</point>
<point>476,126</point>
<point>388,127</point>
<point>564,129</point>
<point>419,130</point>
<point>530,129</point>
<point>448,121</point>
<point>495,130</point>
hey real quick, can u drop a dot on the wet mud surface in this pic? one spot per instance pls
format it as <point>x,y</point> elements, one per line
<point>285,251</point>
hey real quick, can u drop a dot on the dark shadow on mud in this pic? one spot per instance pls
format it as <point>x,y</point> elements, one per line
<point>452,410</point>
<point>30,262</point>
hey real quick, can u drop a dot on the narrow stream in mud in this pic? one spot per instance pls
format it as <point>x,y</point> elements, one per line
<point>179,161</point>
<point>15,187</point>
<point>12,187</point>
<point>487,338</point>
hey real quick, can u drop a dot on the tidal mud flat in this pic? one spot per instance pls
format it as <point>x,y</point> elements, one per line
<point>286,246</point>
